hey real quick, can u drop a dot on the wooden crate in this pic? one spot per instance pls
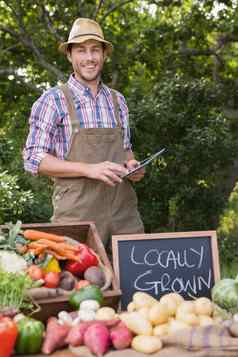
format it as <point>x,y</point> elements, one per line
<point>84,232</point>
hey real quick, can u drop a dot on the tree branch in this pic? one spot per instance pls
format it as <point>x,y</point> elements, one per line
<point>222,40</point>
<point>113,8</point>
<point>100,4</point>
<point>22,79</point>
<point>225,38</point>
<point>166,2</point>
<point>46,17</point>
<point>80,3</point>
<point>27,40</point>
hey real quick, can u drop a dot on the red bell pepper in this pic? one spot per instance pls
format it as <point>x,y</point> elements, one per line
<point>8,335</point>
<point>87,258</point>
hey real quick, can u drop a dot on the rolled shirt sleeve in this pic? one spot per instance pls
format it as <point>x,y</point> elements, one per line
<point>40,140</point>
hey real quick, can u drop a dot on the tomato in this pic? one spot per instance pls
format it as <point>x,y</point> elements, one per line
<point>81,284</point>
<point>8,335</point>
<point>52,279</point>
<point>35,272</point>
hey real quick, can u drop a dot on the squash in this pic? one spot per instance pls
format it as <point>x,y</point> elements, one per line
<point>225,294</point>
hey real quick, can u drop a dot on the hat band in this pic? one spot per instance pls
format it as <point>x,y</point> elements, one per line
<point>87,34</point>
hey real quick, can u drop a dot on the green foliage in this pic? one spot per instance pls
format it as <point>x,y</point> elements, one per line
<point>228,234</point>
<point>182,191</point>
<point>14,202</point>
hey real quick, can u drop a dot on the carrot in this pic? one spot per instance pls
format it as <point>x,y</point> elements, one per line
<point>33,234</point>
<point>71,256</point>
<point>58,246</point>
<point>36,251</point>
<point>69,247</point>
<point>58,250</point>
<point>57,256</point>
<point>35,245</point>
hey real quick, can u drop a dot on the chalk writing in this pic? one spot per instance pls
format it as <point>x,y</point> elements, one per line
<point>189,258</point>
<point>157,264</point>
<point>166,283</point>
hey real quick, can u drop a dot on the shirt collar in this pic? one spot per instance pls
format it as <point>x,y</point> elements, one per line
<point>81,89</point>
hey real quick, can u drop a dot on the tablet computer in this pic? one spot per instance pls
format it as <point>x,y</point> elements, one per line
<point>144,163</point>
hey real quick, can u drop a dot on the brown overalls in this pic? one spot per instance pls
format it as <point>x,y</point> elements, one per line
<point>113,209</point>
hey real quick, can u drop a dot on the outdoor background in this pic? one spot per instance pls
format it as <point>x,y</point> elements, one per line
<point>176,62</point>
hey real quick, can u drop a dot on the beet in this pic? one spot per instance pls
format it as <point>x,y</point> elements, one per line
<point>95,276</point>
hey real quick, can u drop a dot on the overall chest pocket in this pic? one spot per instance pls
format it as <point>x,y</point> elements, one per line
<point>100,139</point>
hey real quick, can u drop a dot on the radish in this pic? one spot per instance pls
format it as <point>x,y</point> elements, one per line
<point>121,336</point>
<point>97,339</point>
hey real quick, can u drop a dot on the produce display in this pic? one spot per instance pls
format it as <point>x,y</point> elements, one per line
<point>35,266</point>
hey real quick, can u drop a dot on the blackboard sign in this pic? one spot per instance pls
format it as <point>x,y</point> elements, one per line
<point>182,262</point>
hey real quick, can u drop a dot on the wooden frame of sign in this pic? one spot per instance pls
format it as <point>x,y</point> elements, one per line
<point>158,263</point>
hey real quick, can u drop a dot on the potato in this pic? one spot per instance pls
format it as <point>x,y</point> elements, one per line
<point>178,299</point>
<point>141,299</point>
<point>175,325</point>
<point>158,313</point>
<point>105,313</point>
<point>136,323</point>
<point>131,307</point>
<point>161,330</point>
<point>203,306</point>
<point>188,318</point>
<point>233,328</point>
<point>171,304</point>
<point>205,320</point>
<point>146,344</point>
<point>186,307</point>
<point>144,311</point>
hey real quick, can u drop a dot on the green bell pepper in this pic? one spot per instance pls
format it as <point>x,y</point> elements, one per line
<point>30,336</point>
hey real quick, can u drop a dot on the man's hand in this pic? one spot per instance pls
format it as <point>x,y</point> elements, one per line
<point>108,172</point>
<point>138,175</point>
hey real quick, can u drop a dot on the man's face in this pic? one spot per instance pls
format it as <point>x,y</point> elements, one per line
<point>87,59</point>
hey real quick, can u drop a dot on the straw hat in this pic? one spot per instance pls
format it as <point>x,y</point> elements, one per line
<point>82,30</point>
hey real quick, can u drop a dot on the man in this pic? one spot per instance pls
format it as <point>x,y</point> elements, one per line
<point>79,135</point>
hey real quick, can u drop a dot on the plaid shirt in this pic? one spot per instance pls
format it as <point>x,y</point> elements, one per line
<point>50,128</point>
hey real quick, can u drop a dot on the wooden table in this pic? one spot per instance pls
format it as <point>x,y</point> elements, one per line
<point>165,352</point>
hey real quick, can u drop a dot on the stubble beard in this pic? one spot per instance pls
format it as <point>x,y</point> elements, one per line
<point>91,79</point>
<point>88,78</point>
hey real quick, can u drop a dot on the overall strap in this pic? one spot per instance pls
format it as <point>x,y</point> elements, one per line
<point>116,107</point>
<point>70,105</point>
